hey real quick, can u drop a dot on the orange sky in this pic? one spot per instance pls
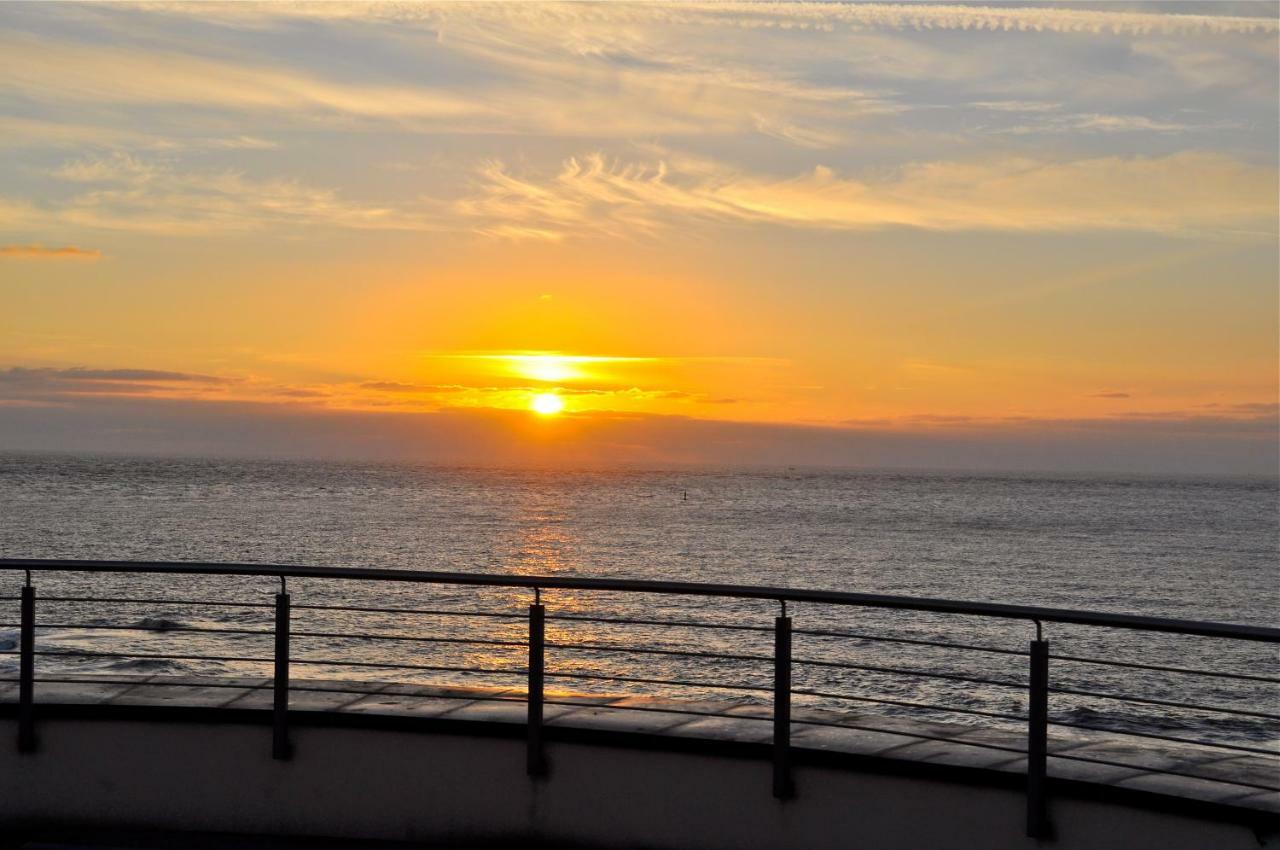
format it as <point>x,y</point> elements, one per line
<point>838,217</point>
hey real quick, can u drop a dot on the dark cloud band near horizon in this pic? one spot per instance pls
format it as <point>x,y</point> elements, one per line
<point>150,426</point>
<point>21,375</point>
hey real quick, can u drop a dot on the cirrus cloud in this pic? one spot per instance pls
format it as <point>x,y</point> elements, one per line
<point>123,192</point>
<point>1192,192</point>
<point>1094,20</point>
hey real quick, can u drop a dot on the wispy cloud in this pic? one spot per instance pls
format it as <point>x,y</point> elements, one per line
<point>401,387</point>
<point>20,375</point>
<point>18,132</point>
<point>1095,20</point>
<point>538,85</point>
<point>1094,123</point>
<point>115,75</point>
<point>507,382</point>
<point>1256,408</point>
<point>819,16</point>
<point>607,70</point>
<point>40,252</point>
<point>1188,192</point>
<point>1243,418</point>
<point>41,385</point>
<point>125,192</point>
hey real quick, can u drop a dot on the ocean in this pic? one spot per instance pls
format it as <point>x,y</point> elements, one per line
<point>1193,548</point>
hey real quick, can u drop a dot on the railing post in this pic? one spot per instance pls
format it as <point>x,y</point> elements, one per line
<point>1038,738</point>
<point>281,748</point>
<point>783,787</point>
<point>27,671</point>
<point>536,762</point>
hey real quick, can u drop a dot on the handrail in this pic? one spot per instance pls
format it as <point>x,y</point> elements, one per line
<point>830,597</point>
<point>1037,684</point>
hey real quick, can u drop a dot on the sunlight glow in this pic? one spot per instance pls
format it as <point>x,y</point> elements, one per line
<point>547,404</point>
<point>549,367</point>
<point>545,367</point>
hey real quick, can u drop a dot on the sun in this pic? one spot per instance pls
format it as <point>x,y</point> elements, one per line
<point>547,404</point>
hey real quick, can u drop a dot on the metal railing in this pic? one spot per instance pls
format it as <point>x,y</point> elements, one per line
<point>1036,688</point>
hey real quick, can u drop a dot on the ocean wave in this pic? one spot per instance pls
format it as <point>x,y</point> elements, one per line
<point>158,624</point>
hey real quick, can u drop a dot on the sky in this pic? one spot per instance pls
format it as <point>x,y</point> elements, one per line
<point>989,236</point>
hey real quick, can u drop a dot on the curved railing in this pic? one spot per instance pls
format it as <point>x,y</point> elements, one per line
<point>1260,686</point>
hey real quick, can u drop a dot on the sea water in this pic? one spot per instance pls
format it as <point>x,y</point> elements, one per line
<point>1190,548</point>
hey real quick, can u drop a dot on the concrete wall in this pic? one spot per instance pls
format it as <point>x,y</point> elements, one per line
<point>405,785</point>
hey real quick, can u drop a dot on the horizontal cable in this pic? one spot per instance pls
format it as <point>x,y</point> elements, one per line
<point>85,653</point>
<point>155,601</point>
<point>93,680</point>
<point>955,677</point>
<point>711,685</point>
<point>1219,709</point>
<point>348,636</point>
<point>293,686</point>
<point>915,641</point>
<point>679,652</point>
<point>334,662</point>
<point>930,706</point>
<point>269,633</point>
<point>1170,738</point>
<point>1163,669</point>
<point>381,692</point>
<point>425,611</point>
<point>693,624</point>
<point>726,656</point>
<point>87,627</point>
